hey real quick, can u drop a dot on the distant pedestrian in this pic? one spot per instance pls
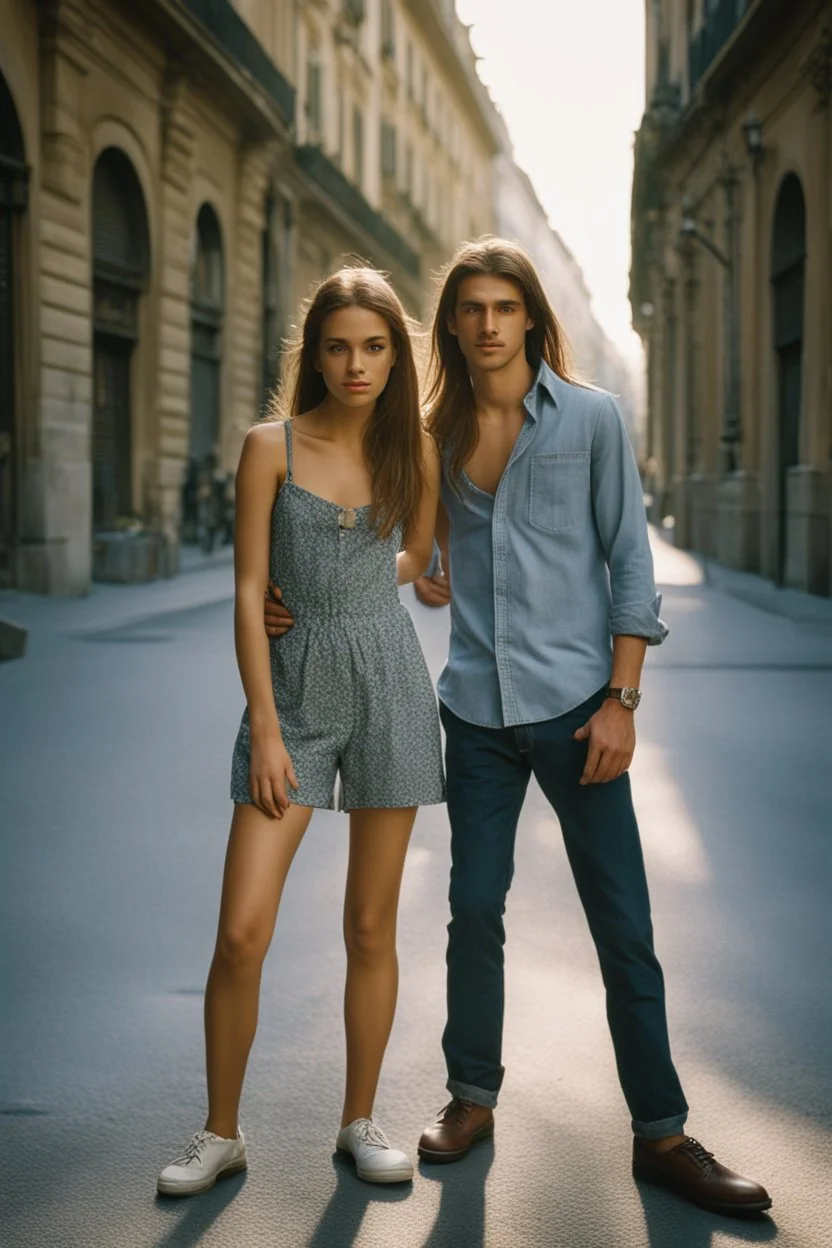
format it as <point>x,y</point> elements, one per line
<point>553,604</point>
<point>339,501</point>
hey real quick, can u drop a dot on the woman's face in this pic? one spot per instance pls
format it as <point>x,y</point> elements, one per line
<point>355,355</point>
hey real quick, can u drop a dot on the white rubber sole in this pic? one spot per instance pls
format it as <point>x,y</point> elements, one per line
<point>396,1174</point>
<point>170,1187</point>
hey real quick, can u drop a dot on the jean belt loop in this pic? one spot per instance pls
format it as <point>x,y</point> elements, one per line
<point>524,737</point>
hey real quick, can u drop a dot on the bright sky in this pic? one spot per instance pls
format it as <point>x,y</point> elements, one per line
<point>568,77</point>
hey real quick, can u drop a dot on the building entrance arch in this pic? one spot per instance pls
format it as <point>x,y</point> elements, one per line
<point>14,178</point>
<point>788,280</point>
<point>121,264</point>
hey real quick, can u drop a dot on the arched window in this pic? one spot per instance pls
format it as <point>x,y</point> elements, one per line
<point>13,193</point>
<point>121,263</point>
<point>207,307</point>
<point>788,268</point>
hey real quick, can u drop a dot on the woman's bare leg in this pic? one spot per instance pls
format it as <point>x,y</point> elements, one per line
<point>260,853</point>
<point>378,844</point>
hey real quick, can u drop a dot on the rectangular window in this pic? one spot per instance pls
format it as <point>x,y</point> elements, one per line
<point>408,172</point>
<point>388,149</point>
<point>341,112</point>
<point>358,146</point>
<point>314,99</point>
<point>388,31</point>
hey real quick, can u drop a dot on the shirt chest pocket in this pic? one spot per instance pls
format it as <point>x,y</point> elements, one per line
<point>559,495</point>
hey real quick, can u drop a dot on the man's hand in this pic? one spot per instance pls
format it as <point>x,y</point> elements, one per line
<point>611,733</point>
<point>275,616</point>
<point>433,591</point>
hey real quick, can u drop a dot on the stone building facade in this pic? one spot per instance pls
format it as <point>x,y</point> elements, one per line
<point>731,284</point>
<point>173,176</point>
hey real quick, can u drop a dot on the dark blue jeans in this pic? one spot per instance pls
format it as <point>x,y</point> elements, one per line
<point>488,773</point>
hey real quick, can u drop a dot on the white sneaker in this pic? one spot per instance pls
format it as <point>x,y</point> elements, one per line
<point>375,1160</point>
<point>207,1158</point>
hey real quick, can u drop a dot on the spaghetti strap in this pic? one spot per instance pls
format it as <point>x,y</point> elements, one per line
<point>287,428</point>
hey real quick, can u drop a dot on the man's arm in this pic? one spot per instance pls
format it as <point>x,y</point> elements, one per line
<point>618,507</point>
<point>434,588</point>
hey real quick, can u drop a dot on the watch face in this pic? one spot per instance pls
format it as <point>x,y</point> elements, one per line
<point>630,698</point>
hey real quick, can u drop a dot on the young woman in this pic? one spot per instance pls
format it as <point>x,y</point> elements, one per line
<point>338,503</point>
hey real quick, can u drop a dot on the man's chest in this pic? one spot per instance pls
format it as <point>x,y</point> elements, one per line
<point>493,451</point>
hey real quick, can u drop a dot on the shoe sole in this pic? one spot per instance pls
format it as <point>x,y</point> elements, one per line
<point>713,1206</point>
<point>404,1174</point>
<point>436,1157</point>
<point>178,1189</point>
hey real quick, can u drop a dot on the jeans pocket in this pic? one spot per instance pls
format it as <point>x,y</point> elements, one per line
<point>559,495</point>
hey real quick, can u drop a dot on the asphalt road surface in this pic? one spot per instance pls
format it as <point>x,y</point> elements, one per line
<point>115,740</point>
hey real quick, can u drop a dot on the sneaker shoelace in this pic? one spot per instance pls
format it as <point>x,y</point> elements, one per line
<point>199,1142</point>
<point>368,1133</point>
<point>698,1154</point>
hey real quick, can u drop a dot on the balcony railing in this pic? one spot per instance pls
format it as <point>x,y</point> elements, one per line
<point>223,21</point>
<point>719,26</point>
<point>331,180</point>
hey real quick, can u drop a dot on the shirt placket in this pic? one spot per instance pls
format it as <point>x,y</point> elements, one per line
<point>502,606</point>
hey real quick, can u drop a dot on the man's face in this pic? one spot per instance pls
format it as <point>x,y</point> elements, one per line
<point>490,322</point>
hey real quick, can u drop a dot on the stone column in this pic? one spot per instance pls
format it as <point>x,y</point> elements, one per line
<point>245,313</point>
<point>56,503</point>
<point>179,126</point>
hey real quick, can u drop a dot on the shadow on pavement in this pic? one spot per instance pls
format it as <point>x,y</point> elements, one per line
<point>200,1214</point>
<point>698,1229</point>
<point>341,1220</point>
<point>461,1216</point>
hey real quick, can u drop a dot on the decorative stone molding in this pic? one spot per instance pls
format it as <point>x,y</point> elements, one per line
<point>818,66</point>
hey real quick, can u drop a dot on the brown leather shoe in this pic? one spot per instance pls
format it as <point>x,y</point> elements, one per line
<point>693,1173</point>
<point>459,1125</point>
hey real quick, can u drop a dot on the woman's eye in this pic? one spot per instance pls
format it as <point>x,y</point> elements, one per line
<point>336,348</point>
<point>377,346</point>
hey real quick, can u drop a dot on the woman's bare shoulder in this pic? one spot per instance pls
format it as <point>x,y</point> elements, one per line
<point>265,443</point>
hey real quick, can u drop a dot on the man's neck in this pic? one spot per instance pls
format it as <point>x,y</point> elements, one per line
<point>501,393</point>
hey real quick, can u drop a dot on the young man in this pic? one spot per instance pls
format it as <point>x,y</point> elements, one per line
<point>553,604</point>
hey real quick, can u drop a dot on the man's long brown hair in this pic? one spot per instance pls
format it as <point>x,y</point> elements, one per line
<point>393,437</point>
<point>451,411</point>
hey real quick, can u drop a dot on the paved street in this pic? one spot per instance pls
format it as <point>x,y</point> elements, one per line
<point>115,739</point>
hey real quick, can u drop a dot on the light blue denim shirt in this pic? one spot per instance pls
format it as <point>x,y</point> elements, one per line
<point>546,571</point>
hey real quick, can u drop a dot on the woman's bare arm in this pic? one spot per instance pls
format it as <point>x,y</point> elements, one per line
<point>418,540</point>
<point>258,478</point>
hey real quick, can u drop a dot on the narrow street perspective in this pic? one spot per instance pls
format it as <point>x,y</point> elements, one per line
<point>415,623</point>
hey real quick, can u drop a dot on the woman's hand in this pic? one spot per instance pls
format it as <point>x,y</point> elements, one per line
<point>271,770</point>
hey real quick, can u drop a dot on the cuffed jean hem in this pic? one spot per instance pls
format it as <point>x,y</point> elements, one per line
<point>467,1092</point>
<point>658,1130</point>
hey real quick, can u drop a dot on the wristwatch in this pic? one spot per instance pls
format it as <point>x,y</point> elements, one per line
<point>628,697</point>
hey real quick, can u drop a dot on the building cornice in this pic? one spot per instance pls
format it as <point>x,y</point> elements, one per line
<point>213,41</point>
<point>471,92</point>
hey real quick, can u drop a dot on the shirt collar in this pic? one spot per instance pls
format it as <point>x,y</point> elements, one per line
<point>545,383</point>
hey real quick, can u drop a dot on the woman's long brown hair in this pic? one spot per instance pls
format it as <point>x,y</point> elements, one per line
<point>451,412</point>
<point>393,437</point>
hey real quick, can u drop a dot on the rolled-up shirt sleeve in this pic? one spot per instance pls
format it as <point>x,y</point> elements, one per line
<point>618,506</point>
